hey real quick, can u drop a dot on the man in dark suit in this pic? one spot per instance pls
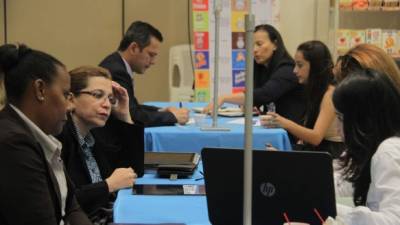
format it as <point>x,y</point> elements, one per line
<point>136,53</point>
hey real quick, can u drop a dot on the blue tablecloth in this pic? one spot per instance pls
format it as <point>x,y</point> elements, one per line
<point>190,138</point>
<point>191,210</point>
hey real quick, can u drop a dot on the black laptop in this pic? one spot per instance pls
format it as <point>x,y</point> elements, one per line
<point>295,183</point>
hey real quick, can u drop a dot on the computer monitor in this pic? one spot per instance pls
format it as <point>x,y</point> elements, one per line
<point>294,183</point>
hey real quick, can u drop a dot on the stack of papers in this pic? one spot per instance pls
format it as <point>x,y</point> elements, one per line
<point>228,112</point>
<point>240,121</point>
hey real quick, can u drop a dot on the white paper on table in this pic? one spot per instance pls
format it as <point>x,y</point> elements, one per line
<point>240,121</point>
<point>185,126</point>
<point>190,121</point>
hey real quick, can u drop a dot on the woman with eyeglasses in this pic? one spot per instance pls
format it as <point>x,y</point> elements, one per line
<point>103,160</point>
<point>368,56</point>
<point>319,131</point>
<point>368,103</point>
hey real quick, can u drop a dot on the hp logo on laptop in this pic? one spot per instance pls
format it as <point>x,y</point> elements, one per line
<point>267,189</point>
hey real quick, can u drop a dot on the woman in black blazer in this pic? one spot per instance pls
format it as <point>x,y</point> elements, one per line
<point>101,156</point>
<point>274,80</point>
<point>34,188</point>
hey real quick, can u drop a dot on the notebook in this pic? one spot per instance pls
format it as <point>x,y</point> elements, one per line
<point>283,182</point>
<point>154,159</point>
<point>225,111</point>
<point>229,112</point>
<point>169,164</point>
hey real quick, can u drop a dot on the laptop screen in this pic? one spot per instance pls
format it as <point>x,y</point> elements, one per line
<point>294,183</point>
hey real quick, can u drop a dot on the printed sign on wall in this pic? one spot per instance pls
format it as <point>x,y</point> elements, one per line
<point>232,57</point>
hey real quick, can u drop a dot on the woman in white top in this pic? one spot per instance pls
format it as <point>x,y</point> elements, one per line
<point>368,104</point>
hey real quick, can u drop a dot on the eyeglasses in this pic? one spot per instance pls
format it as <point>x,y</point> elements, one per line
<point>100,95</point>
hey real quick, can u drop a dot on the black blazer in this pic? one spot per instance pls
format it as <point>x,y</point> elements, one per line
<point>280,85</point>
<point>117,145</point>
<point>29,191</point>
<point>148,115</point>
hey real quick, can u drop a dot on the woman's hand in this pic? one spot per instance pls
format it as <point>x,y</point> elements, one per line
<point>121,109</point>
<point>279,121</point>
<point>210,107</point>
<point>273,120</point>
<point>181,114</point>
<point>121,178</point>
<point>269,147</point>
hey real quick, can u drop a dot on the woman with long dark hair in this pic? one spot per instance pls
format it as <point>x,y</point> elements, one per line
<point>368,103</point>
<point>274,80</point>
<point>314,70</point>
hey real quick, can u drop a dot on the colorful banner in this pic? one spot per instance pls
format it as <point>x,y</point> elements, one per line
<point>232,57</point>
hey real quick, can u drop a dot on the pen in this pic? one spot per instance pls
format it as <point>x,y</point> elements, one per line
<point>200,178</point>
<point>180,104</point>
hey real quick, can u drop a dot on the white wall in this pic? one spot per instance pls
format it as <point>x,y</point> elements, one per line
<point>297,22</point>
<point>83,32</point>
<point>1,22</point>
<point>77,32</point>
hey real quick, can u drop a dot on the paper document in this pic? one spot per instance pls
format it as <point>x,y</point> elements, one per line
<point>224,111</point>
<point>240,121</point>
